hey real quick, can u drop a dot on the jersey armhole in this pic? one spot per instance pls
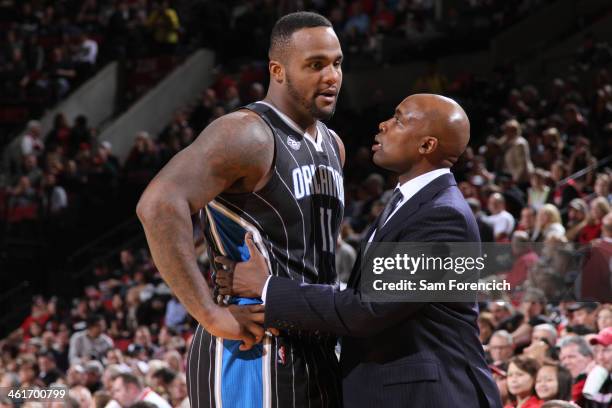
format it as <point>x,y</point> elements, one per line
<point>332,135</point>
<point>272,181</point>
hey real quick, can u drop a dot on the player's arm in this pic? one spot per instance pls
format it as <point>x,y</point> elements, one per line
<point>234,153</point>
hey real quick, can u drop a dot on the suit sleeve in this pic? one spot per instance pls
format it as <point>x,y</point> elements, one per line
<point>292,305</point>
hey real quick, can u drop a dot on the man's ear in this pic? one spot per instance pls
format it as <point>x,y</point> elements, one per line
<point>277,71</point>
<point>428,145</point>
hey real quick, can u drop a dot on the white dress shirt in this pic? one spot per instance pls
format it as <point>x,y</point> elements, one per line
<point>408,189</point>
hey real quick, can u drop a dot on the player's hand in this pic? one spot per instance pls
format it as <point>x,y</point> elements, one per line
<point>245,279</point>
<point>251,317</point>
<point>221,322</point>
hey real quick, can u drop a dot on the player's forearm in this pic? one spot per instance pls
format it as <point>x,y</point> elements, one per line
<point>168,228</point>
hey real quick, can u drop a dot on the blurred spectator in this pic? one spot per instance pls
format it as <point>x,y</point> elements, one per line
<point>527,222</point>
<point>596,281</point>
<point>59,75</point>
<point>31,143</point>
<point>583,315</point>
<point>576,355</point>
<point>538,192</point>
<point>486,230</point>
<point>60,134</point>
<point>602,186</point>
<point>500,219</point>
<point>522,373</point>
<point>101,399</point>
<point>524,258</point>
<point>345,259</point>
<point>548,223</point>
<point>127,390</point>
<point>598,387</point>
<point>93,375</point>
<point>202,113</point>
<point>599,207</point>
<point>48,372</point>
<point>142,162</point>
<point>90,343</point>
<point>82,395</point>
<point>86,54</point>
<point>231,100</point>
<point>604,317</point>
<point>175,314</point>
<point>553,382</point>
<point>54,197</point>
<point>28,374</point>
<point>517,160</point>
<point>576,218</point>
<point>486,327</point>
<point>564,192</point>
<point>545,331</point>
<point>432,81</point>
<point>165,26</point>
<point>178,392</point>
<point>501,347</point>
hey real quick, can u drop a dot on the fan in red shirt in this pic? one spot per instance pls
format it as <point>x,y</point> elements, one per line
<point>522,373</point>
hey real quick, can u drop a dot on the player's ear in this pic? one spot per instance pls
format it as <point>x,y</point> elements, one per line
<point>277,71</point>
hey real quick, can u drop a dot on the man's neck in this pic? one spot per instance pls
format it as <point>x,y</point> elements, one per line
<point>280,102</point>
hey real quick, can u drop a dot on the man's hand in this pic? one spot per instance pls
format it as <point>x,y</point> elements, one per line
<point>245,279</point>
<point>223,322</point>
<point>251,318</point>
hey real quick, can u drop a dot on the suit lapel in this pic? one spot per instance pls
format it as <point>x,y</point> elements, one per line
<point>400,219</point>
<point>425,195</point>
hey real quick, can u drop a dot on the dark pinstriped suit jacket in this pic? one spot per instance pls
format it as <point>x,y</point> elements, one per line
<point>422,355</point>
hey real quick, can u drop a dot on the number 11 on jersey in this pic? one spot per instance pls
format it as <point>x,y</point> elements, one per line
<point>326,229</point>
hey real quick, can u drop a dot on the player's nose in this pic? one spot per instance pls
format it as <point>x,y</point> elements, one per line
<point>331,75</point>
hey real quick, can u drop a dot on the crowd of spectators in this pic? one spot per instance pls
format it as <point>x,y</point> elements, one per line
<point>49,48</point>
<point>123,340</point>
<point>125,337</point>
<point>539,352</point>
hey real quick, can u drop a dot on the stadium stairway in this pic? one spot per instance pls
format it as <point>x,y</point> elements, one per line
<point>155,108</point>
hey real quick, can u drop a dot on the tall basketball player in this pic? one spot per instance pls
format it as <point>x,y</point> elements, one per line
<point>274,170</point>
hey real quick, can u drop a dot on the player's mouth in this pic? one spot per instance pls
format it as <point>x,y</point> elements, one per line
<point>377,145</point>
<point>328,95</point>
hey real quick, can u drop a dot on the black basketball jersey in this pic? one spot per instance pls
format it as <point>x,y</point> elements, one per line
<point>295,219</point>
<point>297,214</point>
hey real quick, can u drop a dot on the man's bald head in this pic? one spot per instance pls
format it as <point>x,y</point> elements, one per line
<point>427,132</point>
<point>447,122</point>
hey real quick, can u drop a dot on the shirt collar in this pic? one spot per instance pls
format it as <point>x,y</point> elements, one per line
<point>413,186</point>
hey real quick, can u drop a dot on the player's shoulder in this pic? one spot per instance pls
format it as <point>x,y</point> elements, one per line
<point>242,125</point>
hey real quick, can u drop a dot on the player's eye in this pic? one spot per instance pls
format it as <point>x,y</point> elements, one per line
<point>316,65</point>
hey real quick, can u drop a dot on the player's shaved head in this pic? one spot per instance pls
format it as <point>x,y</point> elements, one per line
<point>280,38</point>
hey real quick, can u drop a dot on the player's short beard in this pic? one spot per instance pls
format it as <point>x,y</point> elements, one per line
<point>311,105</point>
